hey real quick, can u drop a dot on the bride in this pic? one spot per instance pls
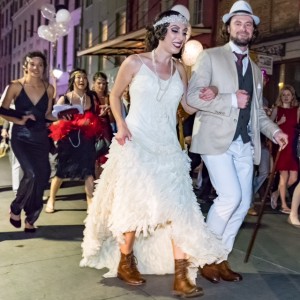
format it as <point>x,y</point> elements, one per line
<point>144,209</point>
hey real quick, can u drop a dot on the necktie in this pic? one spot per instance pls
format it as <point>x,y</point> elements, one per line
<point>239,61</point>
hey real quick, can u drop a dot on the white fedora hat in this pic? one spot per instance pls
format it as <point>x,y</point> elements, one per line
<point>241,8</point>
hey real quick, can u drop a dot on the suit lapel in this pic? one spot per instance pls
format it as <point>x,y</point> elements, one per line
<point>231,63</point>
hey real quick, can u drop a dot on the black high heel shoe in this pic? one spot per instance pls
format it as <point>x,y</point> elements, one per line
<point>15,223</point>
<point>29,230</point>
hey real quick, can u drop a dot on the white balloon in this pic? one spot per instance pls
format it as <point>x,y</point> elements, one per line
<point>48,11</point>
<point>182,10</point>
<point>62,29</point>
<point>63,16</point>
<point>45,33</point>
<point>191,51</point>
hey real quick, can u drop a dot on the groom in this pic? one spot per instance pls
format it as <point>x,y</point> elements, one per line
<point>227,129</point>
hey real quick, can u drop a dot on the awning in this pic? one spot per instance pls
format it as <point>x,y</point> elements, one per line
<point>129,43</point>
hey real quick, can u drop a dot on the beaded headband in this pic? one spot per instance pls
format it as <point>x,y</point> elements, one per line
<point>171,19</point>
<point>77,73</point>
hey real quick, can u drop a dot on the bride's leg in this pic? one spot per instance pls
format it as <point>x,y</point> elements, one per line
<point>127,269</point>
<point>182,286</point>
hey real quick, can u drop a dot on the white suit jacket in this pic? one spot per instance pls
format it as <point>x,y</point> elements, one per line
<point>216,121</point>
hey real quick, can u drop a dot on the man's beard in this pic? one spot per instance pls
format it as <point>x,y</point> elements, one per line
<point>240,42</point>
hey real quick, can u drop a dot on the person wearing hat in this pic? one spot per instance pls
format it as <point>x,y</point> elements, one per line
<point>227,129</point>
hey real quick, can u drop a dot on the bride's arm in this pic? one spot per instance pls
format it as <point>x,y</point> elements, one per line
<point>127,71</point>
<point>190,110</point>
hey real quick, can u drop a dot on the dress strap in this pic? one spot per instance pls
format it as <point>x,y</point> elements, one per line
<point>19,82</point>
<point>66,100</point>
<point>139,58</point>
<point>46,87</point>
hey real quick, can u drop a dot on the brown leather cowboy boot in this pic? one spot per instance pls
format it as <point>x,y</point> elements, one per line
<point>182,286</point>
<point>211,273</point>
<point>226,273</point>
<point>128,271</point>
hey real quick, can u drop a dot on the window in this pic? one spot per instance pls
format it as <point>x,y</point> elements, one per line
<point>104,31</point>
<point>143,13</point>
<point>25,31</point>
<point>20,34</point>
<point>77,4</point>
<point>77,45</point>
<point>18,70</point>
<point>121,23</point>
<point>88,38</point>
<point>9,44</point>
<point>8,73</point>
<point>14,71</point>
<point>31,25</point>
<point>197,15</point>
<point>4,75</point>
<point>65,52</point>
<point>38,18</point>
<point>15,38</point>
<point>6,17</point>
<point>88,3</point>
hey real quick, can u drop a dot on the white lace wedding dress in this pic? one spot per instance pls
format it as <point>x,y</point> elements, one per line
<point>146,187</point>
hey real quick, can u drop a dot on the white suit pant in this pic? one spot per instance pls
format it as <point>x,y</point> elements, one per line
<point>231,175</point>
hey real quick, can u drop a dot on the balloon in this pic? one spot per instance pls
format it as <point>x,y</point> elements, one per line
<point>61,29</point>
<point>63,16</point>
<point>191,51</point>
<point>45,33</point>
<point>182,10</point>
<point>48,11</point>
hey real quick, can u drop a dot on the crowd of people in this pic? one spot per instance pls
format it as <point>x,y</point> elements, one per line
<point>143,208</point>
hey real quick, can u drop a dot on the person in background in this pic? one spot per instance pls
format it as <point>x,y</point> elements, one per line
<point>32,97</point>
<point>16,170</point>
<point>125,102</point>
<point>100,87</point>
<point>262,171</point>
<point>293,218</point>
<point>286,113</point>
<point>75,137</point>
<point>227,128</point>
<point>144,208</point>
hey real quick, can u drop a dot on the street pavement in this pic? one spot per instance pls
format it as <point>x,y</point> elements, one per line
<point>45,265</point>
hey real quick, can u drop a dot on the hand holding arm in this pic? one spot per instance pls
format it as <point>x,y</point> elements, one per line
<point>242,98</point>
<point>208,93</point>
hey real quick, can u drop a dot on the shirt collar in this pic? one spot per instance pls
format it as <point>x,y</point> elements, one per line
<point>235,48</point>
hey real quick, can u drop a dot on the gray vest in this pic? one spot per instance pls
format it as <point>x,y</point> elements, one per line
<point>245,83</point>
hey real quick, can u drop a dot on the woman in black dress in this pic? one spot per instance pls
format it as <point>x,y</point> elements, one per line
<point>75,137</point>
<point>33,104</point>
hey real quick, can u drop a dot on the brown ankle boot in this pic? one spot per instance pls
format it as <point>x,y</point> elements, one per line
<point>128,271</point>
<point>226,273</point>
<point>182,286</point>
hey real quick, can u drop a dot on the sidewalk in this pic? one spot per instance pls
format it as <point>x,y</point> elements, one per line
<point>45,265</point>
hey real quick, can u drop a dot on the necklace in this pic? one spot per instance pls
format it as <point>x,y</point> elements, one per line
<point>78,143</point>
<point>81,98</point>
<point>161,91</point>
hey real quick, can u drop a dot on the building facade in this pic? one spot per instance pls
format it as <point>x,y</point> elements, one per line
<point>114,29</point>
<point>19,24</point>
